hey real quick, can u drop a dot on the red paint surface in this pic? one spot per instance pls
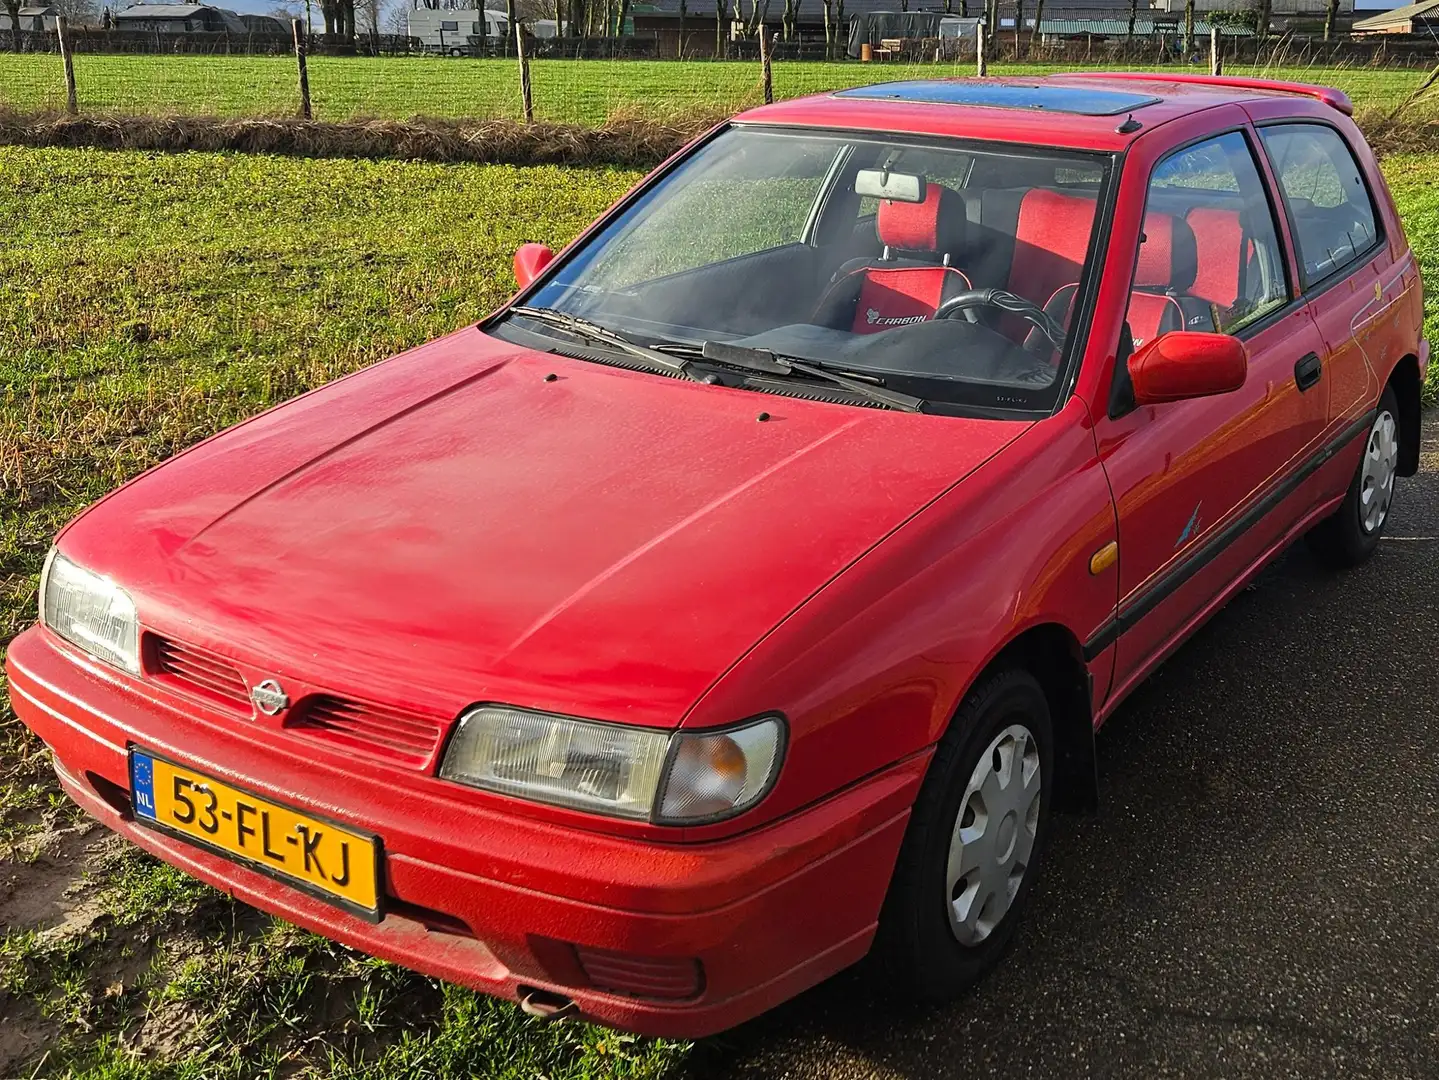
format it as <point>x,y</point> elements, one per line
<point>448,527</point>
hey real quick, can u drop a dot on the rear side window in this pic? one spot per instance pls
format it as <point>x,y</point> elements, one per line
<point>1209,258</point>
<point>1329,205</point>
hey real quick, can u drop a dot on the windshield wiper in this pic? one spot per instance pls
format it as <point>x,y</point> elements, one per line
<point>583,328</point>
<point>769,363</point>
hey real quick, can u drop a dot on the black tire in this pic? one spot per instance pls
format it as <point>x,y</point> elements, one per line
<point>918,952</point>
<point>1342,540</point>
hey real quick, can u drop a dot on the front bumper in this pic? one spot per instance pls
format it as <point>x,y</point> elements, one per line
<point>498,901</point>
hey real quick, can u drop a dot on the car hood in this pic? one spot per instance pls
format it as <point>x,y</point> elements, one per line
<point>476,521</point>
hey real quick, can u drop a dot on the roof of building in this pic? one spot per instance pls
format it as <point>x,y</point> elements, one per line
<point>1399,16</point>
<point>232,22</point>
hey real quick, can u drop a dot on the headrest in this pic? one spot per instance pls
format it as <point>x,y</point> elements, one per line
<point>937,224</point>
<point>1168,257</point>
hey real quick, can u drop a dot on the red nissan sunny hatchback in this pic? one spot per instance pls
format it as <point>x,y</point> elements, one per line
<point>743,598</point>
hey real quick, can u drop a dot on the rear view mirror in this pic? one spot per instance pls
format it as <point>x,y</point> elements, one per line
<point>884,184</point>
<point>1187,364</point>
<point>530,261</point>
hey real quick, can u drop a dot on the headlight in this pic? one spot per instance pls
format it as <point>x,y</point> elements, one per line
<point>90,612</point>
<point>611,769</point>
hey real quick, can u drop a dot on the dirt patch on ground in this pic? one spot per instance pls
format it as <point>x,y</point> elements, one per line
<point>627,141</point>
<point>39,888</point>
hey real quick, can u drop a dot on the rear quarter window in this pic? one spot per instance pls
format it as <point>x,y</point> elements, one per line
<point>1330,208</point>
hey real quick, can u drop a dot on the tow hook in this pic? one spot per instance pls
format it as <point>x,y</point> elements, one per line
<point>546,1006</point>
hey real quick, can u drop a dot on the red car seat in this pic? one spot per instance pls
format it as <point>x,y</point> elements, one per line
<point>912,276</point>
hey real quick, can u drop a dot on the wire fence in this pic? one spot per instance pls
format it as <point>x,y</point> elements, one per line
<point>590,91</point>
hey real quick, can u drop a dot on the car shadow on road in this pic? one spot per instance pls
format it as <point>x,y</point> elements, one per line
<point>1260,875</point>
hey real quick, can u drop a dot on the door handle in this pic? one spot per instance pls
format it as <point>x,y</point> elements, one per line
<point>1307,371</point>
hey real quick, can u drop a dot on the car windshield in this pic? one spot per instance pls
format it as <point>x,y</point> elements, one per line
<point>950,271</point>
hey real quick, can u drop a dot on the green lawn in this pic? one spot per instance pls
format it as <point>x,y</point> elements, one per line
<point>145,302</point>
<point>577,90</point>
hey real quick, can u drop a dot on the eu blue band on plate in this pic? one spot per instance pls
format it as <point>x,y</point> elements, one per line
<point>142,784</point>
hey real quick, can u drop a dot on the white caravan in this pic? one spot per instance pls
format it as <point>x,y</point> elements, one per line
<point>448,30</point>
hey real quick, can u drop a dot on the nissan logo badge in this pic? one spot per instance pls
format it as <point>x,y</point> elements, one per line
<point>269,698</point>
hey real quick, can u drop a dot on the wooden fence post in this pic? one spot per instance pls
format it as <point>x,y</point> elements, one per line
<point>526,103</point>
<point>62,26</point>
<point>766,66</point>
<point>981,66</point>
<point>299,33</point>
<point>1216,61</point>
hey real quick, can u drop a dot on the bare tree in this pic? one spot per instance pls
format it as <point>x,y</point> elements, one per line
<point>1188,29</point>
<point>828,29</point>
<point>12,9</point>
<point>1038,17</point>
<point>719,29</point>
<point>1262,13</point>
<point>787,20</point>
<point>79,12</point>
<point>759,10</point>
<point>1331,11</point>
<point>1018,24</point>
<point>1133,14</point>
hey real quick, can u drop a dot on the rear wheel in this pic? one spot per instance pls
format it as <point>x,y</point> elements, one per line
<point>974,842</point>
<point>1349,536</point>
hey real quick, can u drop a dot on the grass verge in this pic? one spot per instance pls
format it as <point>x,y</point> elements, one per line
<point>145,302</point>
<point>619,141</point>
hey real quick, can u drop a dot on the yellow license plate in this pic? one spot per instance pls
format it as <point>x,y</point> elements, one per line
<point>332,862</point>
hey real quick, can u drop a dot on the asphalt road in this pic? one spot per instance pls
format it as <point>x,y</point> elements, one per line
<point>1259,893</point>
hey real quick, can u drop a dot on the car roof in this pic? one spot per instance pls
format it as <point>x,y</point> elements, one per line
<point>1082,110</point>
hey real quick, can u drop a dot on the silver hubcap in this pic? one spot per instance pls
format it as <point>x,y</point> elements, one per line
<point>1381,465</point>
<point>993,838</point>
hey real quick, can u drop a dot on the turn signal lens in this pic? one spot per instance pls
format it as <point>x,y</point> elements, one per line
<point>712,776</point>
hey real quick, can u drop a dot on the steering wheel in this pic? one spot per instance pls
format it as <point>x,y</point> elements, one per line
<point>961,304</point>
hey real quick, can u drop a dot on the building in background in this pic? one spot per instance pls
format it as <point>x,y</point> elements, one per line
<point>180,19</point>
<point>36,18</point>
<point>1421,18</point>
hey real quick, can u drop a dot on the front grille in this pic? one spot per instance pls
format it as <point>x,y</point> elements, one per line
<point>389,734</point>
<point>197,671</point>
<point>668,977</point>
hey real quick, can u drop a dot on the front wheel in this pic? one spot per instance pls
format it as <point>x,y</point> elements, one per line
<point>974,842</point>
<point>1349,536</point>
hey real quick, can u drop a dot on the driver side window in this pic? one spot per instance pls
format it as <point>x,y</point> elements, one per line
<point>1209,257</point>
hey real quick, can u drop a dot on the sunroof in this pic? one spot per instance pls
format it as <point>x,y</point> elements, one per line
<point>1075,100</point>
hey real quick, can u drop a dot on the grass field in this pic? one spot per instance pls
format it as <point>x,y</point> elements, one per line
<point>145,302</point>
<point>585,91</point>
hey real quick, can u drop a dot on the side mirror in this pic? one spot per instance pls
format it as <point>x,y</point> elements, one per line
<point>1187,364</point>
<point>530,260</point>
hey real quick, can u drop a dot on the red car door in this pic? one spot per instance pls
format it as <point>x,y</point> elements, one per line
<point>1346,270</point>
<point>1193,481</point>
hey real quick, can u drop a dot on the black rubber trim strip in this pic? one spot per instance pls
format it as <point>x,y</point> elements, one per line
<point>1136,609</point>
